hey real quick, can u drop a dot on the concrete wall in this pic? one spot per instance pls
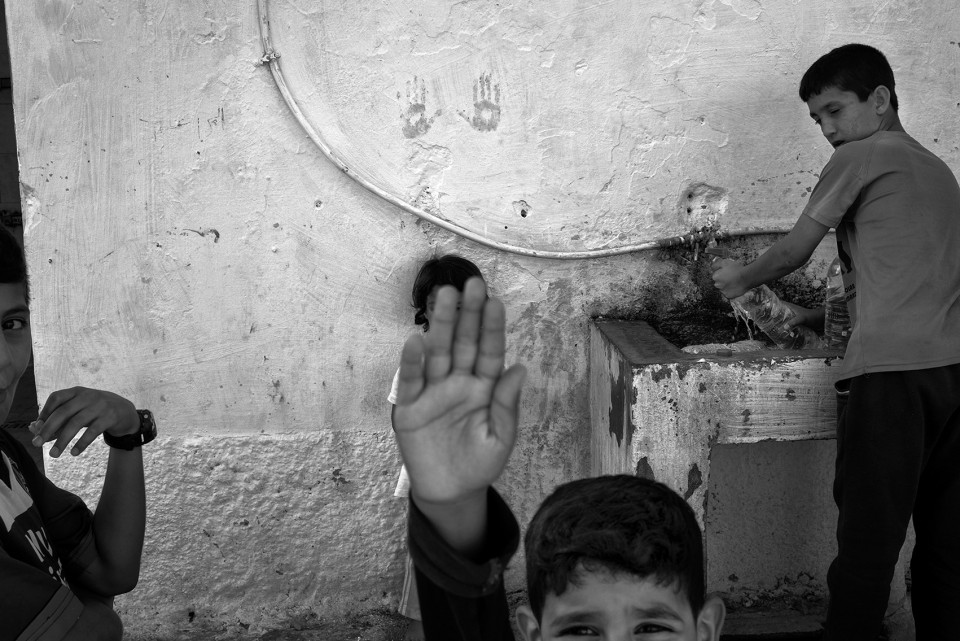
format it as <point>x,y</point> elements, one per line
<point>193,249</point>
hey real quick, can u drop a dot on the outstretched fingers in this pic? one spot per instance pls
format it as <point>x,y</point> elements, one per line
<point>492,344</point>
<point>410,379</point>
<point>465,341</point>
<point>438,340</point>
<point>505,409</point>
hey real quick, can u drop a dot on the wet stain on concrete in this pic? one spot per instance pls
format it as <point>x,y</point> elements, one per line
<point>644,470</point>
<point>618,409</point>
<point>660,373</point>
<point>694,481</point>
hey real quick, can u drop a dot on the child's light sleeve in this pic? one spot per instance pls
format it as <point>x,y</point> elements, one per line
<point>392,397</point>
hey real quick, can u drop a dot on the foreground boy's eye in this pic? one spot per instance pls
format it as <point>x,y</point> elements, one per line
<point>578,631</point>
<point>651,628</point>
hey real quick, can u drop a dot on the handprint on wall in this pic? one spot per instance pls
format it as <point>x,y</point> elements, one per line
<point>414,117</point>
<point>486,104</point>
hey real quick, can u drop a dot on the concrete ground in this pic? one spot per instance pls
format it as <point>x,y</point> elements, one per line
<point>390,626</point>
<point>764,624</point>
<point>371,626</point>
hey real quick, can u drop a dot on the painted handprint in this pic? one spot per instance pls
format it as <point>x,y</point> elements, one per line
<point>486,104</point>
<point>414,117</point>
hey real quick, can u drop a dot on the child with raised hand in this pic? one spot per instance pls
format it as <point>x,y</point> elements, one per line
<point>60,565</point>
<point>896,209</point>
<point>610,557</point>
<point>433,274</point>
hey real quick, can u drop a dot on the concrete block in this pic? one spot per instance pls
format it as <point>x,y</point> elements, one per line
<point>659,412</point>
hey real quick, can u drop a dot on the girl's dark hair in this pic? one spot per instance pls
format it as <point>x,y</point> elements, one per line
<point>13,265</point>
<point>853,67</point>
<point>620,524</point>
<point>449,269</point>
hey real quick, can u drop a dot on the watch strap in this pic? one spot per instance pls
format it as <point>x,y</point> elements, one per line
<point>146,433</point>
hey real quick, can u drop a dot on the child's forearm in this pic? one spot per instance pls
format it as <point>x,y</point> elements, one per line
<point>771,265</point>
<point>787,255</point>
<point>463,525</point>
<point>119,524</point>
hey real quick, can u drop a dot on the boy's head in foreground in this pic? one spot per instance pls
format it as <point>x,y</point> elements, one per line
<point>449,269</point>
<point>851,94</point>
<point>617,557</point>
<point>15,343</point>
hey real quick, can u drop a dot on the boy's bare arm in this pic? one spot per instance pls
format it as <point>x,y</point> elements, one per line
<point>120,517</point>
<point>787,254</point>
<point>456,413</point>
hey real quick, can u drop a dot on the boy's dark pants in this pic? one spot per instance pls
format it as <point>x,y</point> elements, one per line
<point>898,453</point>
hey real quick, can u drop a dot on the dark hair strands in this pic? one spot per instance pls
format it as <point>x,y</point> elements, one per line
<point>618,524</point>
<point>852,67</point>
<point>448,269</point>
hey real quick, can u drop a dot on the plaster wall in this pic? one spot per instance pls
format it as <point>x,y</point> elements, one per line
<point>192,249</point>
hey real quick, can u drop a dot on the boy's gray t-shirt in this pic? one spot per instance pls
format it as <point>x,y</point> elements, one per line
<point>896,208</point>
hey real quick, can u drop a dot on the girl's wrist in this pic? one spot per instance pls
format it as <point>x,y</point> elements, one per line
<point>461,522</point>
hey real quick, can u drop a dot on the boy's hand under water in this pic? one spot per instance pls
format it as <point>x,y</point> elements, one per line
<point>727,277</point>
<point>456,411</point>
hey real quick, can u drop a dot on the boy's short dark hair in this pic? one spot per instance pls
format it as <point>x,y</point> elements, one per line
<point>448,269</point>
<point>13,265</point>
<point>853,67</point>
<point>621,524</point>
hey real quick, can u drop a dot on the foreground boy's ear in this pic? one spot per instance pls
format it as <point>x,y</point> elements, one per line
<point>529,628</point>
<point>711,619</point>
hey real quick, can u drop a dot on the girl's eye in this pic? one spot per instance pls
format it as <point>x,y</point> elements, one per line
<point>13,324</point>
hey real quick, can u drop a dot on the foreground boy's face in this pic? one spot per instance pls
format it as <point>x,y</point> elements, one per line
<point>15,344</point>
<point>619,607</point>
<point>842,116</point>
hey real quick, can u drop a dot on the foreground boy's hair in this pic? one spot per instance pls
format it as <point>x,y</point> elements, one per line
<point>449,269</point>
<point>854,67</point>
<point>621,524</point>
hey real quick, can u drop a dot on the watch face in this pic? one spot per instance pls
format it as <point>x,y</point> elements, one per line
<point>148,427</point>
<point>148,431</point>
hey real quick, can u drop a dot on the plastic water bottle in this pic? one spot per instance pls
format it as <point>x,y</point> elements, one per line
<point>769,313</point>
<point>836,322</point>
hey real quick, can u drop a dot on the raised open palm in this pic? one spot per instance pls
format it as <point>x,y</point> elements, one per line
<point>456,411</point>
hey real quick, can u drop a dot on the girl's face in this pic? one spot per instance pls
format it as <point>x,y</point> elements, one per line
<point>432,301</point>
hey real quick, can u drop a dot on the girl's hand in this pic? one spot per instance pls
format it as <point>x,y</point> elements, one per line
<point>69,411</point>
<point>456,412</point>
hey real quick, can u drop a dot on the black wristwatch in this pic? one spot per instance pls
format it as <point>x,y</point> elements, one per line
<point>148,432</point>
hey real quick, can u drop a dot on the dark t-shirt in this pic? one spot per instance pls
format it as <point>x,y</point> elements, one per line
<point>460,599</point>
<point>46,537</point>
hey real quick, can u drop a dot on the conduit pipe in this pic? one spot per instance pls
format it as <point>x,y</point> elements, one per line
<point>271,59</point>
